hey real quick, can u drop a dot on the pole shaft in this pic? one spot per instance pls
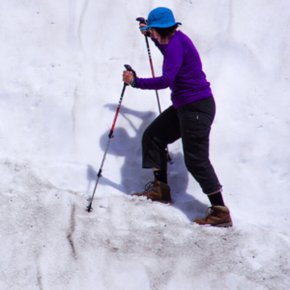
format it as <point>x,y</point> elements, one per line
<point>152,71</point>
<point>99,175</point>
<point>156,91</point>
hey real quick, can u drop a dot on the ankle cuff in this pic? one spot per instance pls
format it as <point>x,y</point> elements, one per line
<point>215,192</point>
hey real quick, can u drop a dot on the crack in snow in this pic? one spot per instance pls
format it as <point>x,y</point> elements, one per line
<point>71,232</point>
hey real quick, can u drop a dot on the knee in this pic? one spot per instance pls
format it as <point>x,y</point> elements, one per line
<point>150,139</point>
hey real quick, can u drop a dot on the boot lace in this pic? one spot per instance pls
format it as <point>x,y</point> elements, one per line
<point>210,212</point>
<point>149,186</point>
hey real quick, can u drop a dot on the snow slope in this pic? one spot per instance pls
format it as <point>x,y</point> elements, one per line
<point>60,80</point>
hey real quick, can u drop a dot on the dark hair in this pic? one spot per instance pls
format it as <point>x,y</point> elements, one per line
<point>166,32</point>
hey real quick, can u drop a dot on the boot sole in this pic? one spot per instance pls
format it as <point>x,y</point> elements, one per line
<point>163,201</point>
<point>154,200</point>
<point>160,201</point>
<point>224,225</point>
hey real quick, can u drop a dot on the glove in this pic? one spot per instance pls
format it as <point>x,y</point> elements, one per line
<point>129,76</point>
<point>142,23</point>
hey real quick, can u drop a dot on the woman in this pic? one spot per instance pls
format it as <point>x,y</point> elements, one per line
<point>189,118</point>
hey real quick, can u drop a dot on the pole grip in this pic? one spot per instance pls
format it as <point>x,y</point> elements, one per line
<point>128,67</point>
<point>141,20</point>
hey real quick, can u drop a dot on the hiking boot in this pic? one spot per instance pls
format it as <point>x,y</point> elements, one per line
<point>156,191</point>
<point>218,216</point>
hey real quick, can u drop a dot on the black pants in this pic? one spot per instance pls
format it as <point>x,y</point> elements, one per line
<point>191,123</point>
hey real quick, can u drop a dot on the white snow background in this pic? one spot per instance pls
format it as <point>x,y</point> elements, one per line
<point>61,66</point>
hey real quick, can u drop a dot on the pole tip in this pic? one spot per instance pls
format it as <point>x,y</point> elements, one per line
<point>89,208</point>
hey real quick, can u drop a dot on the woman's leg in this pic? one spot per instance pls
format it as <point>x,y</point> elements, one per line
<point>195,123</point>
<point>196,120</point>
<point>161,132</point>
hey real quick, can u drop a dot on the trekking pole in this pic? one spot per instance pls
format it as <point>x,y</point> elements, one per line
<point>142,20</point>
<point>99,175</point>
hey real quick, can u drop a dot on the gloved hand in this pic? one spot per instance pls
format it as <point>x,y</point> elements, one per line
<point>142,23</point>
<point>129,76</point>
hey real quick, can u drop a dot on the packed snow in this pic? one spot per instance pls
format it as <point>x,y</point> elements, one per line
<point>60,80</point>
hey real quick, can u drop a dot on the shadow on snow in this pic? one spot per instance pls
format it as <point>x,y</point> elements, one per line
<point>133,177</point>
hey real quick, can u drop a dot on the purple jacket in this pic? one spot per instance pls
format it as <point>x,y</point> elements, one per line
<point>181,72</point>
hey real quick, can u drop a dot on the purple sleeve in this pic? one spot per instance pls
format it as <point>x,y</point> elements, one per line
<point>171,65</point>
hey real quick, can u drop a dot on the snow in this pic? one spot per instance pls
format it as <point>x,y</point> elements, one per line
<point>60,79</point>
